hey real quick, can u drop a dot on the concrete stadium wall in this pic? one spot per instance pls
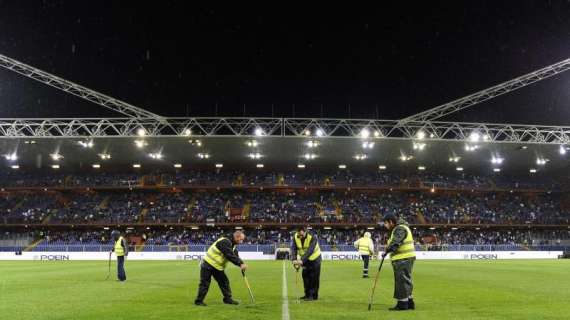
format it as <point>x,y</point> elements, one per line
<point>334,256</point>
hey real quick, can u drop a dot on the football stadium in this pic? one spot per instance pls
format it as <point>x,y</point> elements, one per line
<point>136,214</point>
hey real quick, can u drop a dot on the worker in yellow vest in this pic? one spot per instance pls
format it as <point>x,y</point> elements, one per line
<point>306,254</point>
<point>365,247</point>
<point>402,254</point>
<point>214,264</point>
<point>121,250</point>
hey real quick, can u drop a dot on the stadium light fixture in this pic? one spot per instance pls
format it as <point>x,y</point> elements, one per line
<point>258,132</point>
<point>474,136</point>
<point>541,161</point>
<point>141,132</point>
<point>30,142</point>
<point>140,144</point>
<point>497,160</point>
<point>307,132</point>
<point>421,168</point>
<point>301,166</point>
<point>252,143</point>
<point>562,150</point>
<point>532,170</point>
<point>136,166</point>
<point>86,144</point>
<point>11,156</point>
<point>56,156</point>
<point>255,156</point>
<point>365,133</point>
<point>320,132</point>
<point>405,158</point>
<point>377,134</point>
<point>342,166</point>
<point>367,145</point>
<point>421,135</point>
<point>219,165</point>
<point>15,166</point>
<point>361,156</point>
<point>497,169</point>
<point>204,155</point>
<point>177,165</point>
<point>55,166</point>
<point>312,144</point>
<point>156,155</point>
<point>104,156</point>
<point>260,165</point>
<point>96,166</point>
<point>418,146</point>
<point>454,159</point>
<point>470,148</point>
<point>187,132</point>
<point>382,167</point>
<point>459,168</point>
<point>309,156</point>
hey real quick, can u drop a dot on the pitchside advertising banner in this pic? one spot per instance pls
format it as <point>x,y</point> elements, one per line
<point>327,255</point>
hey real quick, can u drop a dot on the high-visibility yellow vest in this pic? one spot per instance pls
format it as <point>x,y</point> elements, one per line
<point>302,247</point>
<point>215,257</point>
<point>407,249</point>
<point>364,246</point>
<point>119,250</point>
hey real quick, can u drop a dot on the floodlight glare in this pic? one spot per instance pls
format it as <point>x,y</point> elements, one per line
<point>365,133</point>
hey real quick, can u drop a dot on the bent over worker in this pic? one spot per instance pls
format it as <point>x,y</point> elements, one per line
<point>214,264</point>
<point>306,254</point>
<point>402,254</point>
<point>365,247</point>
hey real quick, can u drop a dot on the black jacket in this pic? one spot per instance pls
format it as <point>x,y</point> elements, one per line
<point>225,247</point>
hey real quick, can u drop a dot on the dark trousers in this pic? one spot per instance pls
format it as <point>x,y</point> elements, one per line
<point>312,278</point>
<point>366,259</point>
<point>121,275</point>
<point>206,274</point>
<point>403,284</point>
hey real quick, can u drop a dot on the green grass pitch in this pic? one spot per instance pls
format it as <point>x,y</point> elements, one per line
<point>166,289</point>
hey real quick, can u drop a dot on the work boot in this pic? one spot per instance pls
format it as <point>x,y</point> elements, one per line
<point>400,306</point>
<point>365,276</point>
<point>200,303</point>
<point>231,301</point>
<point>411,304</point>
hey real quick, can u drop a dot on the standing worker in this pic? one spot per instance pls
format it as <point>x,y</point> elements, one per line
<point>365,247</point>
<point>403,254</point>
<point>121,250</point>
<point>306,253</point>
<point>214,263</point>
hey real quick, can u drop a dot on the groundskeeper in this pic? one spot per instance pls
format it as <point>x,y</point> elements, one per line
<point>365,247</point>
<point>214,264</point>
<point>121,250</point>
<point>402,254</point>
<point>306,254</point>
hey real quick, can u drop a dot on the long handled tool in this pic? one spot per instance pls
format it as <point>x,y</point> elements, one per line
<point>109,270</point>
<point>248,287</point>
<point>374,286</point>
<point>297,291</point>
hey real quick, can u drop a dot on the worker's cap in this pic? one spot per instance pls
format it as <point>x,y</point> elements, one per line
<point>115,233</point>
<point>390,217</point>
<point>367,234</point>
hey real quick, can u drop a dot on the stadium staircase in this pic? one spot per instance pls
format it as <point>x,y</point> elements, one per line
<point>142,215</point>
<point>33,245</point>
<point>105,203</point>
<point>421,218</point>
<point>189,207</point>
<point>246,210</point>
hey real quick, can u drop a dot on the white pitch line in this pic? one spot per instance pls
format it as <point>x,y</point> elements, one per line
<point>285,310</point>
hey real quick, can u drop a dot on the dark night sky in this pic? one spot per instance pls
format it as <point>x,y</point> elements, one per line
<point>178,60</point>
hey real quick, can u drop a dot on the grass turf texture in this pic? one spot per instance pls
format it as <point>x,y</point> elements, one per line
<point>166,290</point>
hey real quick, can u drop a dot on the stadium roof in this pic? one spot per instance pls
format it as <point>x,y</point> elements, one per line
<point>281,153</point>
